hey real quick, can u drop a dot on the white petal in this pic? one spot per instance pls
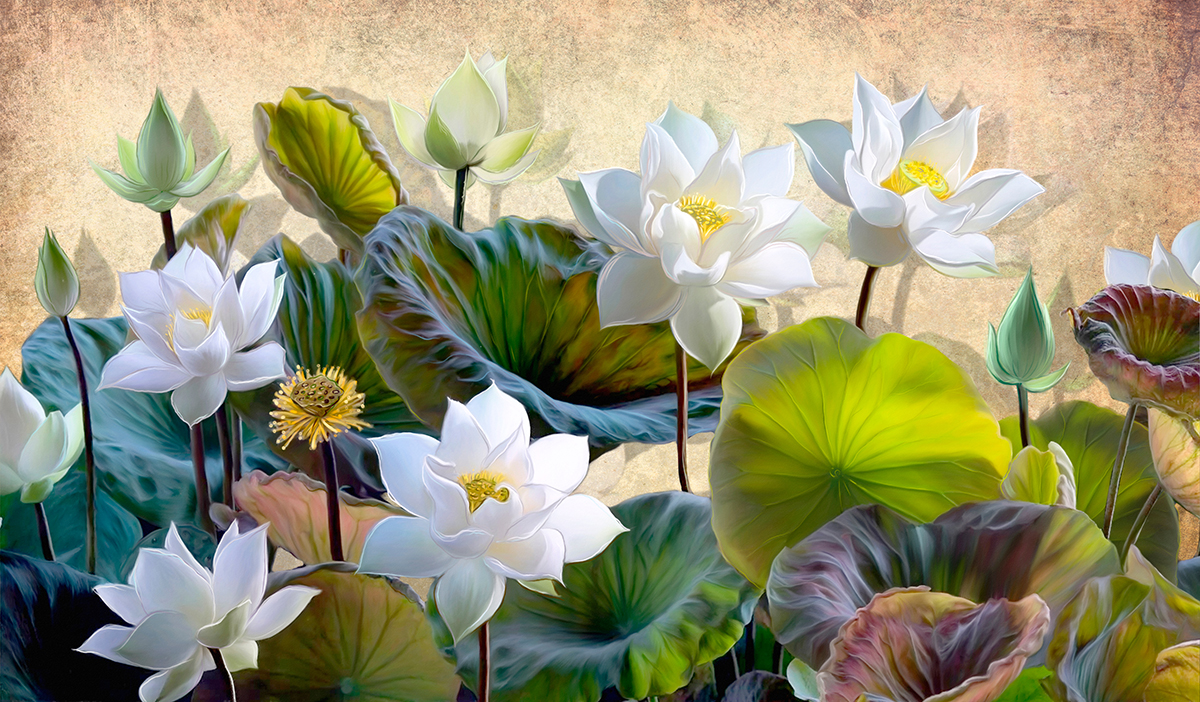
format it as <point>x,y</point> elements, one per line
<point>143,291</point>
<point>963,256</point>
<point>175,545</point>
<point>559,461</point>
<point>410,130</point>
<point>402,546</point>
<point>468,107</point>
<point>240,569</point>
<point>174,684</point>
<point>536,558</point>
<point>825,144</point>
<point>227,629</point>
<point>10,482</point>
<point>708,325</point>
<point>587,526</point>
<point>722,178</point>
<point>876,135</point>
<point>773,269</point>
<point>123,600</point>
<point>207,357</point>
<point>876,205</point>
<point>686,272</point>
<point>199,398</point>
<point>581,206</point>
<point>248,370</point>
<point>924,211</point>
<point>1122,267</point>
<point>495,517</point>
<point>467,596</point>
<point>876,246</point>
<point>197,271</point>
<point>136,368</point>
<point>665,170</point>
<point>20,416</point>
<point>278,611</point>
<point>995,194</point>
<point>242,655</point>
<point>502,154</point>
<point>259,296</point>
<point>539,502</point>
<point>451,520</point>
<point>789,221</point>
<point>73,442</point>
<point>741,234</point>
<point>401,461</point>
<point>672,227</point>
<point>769,171</point>
<point>105,641</point>
<point>1168,272</point>
<point>464,445</point>
<point>165,583</point>
<point>1186,248</point>
<point>496,74</point>
<point>500,416</point>
<point>691,135</point>
<point>493,177</point>
<point>227,314</point>
<point>917,115</point>
<point>616,198</point>
<point>949,148</point>
<point>633,289</point>
<point>162,640</point>
<point>44,451</point>
<point>152,329</point>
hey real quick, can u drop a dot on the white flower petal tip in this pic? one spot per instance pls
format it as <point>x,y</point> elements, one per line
<point>36,449</point>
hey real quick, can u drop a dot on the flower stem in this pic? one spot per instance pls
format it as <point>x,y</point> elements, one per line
<point>331,501</point>
<point>864,297</point>
<point>1114,481</point>
<point>484,693</point>
<point>226,676</point>
<point>1140,521</point>
<point>751,663</point>
<point>777,659</point>
<point>1023,412</point>
<point>681,414</point>
<point>226,454</point>
<point>89,456</point>
<point>460,197</point>
<point>235,444</point>
<point>168,228</point>
<point>725,672</point>
<point>203,497</point>
<point>44,531</point>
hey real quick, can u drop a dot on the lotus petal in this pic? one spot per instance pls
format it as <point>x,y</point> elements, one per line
<point>1175,445</point>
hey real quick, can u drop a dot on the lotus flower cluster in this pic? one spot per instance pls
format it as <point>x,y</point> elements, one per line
<point>36,449</point>
<point>179,610</point>
<point>487,505</point>
<point>196,333</point>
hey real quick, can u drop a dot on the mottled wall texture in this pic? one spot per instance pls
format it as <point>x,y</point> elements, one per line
<point>1099,100</point>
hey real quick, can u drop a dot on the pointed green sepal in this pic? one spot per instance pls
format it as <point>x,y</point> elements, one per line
<point>127,151</point>
<point>202,179</point>
<point>1047,381</point>
<point>126,188</point>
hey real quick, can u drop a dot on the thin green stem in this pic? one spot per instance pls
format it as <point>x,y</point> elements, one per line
<point>1023,411</point>
<point>332,508</point>
<point>226,454</point>
<point>168,229</point>
<point>681,415</point>
<point>1114,480</point>
<point>89,455</point>
<point>864,297</point>
<point>751,658</point>
<point>226,676</point>
<point>777,658</point>
<point>235,444</point>
<point>460,197</point>
<point>1140,521</point>
<point>484,693</point>
<point>39,509</point>
<point>203,497</point>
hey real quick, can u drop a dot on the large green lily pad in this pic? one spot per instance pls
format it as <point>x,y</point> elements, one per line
<point>446,313</point>
<point>820,417</point>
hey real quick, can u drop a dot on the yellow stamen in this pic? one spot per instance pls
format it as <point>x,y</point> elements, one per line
<point>480,486</point>
<point>706,212</point>
<point>910,175</point>
<point>317,406</point>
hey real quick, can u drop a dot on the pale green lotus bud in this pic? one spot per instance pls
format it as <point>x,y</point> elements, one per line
<point>56,282</point>
<point>160,167</point>
<point>1042,477</point>
<point>1021,350</point>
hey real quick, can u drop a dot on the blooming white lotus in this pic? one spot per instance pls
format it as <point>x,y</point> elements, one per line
<point>179,610</point>
<point>1177,269</point>
<point>467,118</point>
<point>36,449</point>
<point>904,170</point>
<point>487,506</point>
<point>195,330</point>
<point>701,229</point>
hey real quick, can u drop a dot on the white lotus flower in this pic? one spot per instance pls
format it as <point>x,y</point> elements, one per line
<point>904,170</point>
<point>179,610</point>
<point>36,449</point>
<point>467,118</point>
<point>701,229</point>
<point>1177,269</point>
<point>487,506</point>
<point>195,330</point>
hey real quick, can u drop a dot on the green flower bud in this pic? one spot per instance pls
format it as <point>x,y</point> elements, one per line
<point>162,152</point>
<point>1021,350</point>
<point>56,282</point>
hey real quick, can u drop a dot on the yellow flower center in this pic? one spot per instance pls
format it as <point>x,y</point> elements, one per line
<point>317,395</point>
<point>910,175</point>
<point>480,486</point>
<point>706,212</point>
<point>317,406</point>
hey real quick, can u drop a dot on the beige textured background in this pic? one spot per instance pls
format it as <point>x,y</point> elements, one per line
<point>1099,100</point>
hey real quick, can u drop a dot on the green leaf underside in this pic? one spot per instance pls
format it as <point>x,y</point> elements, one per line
<point>818,418</point>
<point>447,313</point>
<point>1089,435</point>
<point>642,616</point>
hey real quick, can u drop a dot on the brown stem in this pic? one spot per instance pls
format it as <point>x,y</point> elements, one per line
<point>484,693</point>
<point>1140,521</point>
<point>89,455</point>
<point>203,497</point>
<point>1023,413</point>
<point>39,509</point>
<point>681,414</point>
<point>168,229</point>
<point>864,297</point>
<point>226,454</point>
<point>331,501</point>
<point>1114,480</point>
<point>235,445</point>
<point>225,675</point>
